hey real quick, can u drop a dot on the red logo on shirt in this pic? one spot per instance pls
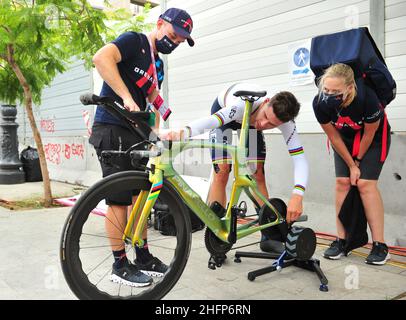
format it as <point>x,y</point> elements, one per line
<point>146,77</point>
<point>343,121</point>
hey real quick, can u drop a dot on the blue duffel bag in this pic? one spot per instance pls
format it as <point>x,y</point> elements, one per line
<point>356,48</point>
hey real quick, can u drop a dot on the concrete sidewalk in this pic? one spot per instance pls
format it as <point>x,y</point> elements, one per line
<point>30,268</point>
<point>33,190</point>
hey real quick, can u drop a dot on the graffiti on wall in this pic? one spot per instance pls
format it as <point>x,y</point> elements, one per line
<point>74,151</point>
<point>56,153</point>
<point>53,152</point>
<point>47,125</point>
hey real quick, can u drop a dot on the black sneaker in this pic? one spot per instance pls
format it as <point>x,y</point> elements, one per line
<point>336,250</point>
<point>129,275</point>
<point>379,254</point>
<point>153,268</point>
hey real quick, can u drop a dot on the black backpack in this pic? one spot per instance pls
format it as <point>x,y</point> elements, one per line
<point>357,49</point>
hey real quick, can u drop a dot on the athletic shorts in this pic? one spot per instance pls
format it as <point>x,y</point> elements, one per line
<point>370,166</point>
<point>115,137</point>
<point>224,134</point>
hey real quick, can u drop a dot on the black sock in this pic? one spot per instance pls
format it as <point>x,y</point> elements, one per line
<point>143,254</point>
<point>119,258</point>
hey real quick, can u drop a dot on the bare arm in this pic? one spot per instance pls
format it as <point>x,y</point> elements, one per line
<point>368,137</point>
<point>338,144</point>
<point>105,61</point>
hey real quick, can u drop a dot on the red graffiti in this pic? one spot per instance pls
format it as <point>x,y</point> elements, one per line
<point>47,126</point>
<point>67,151</point>
<point>78,150</point>
<point>53,152</point>
<point>73,149</point>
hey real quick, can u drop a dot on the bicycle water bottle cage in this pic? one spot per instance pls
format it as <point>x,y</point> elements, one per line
<point>250,95</point>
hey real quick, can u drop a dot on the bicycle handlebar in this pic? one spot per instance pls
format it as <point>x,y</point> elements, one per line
<point>89,98</point>
<point>137,122</point>
<point>142,154</point>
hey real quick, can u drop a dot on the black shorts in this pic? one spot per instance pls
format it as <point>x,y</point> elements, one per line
<point>255,144</point>
<point>370,166</point>
<point>114,137</point>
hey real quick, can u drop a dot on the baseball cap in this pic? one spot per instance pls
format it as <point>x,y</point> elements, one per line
<point>181,21</point>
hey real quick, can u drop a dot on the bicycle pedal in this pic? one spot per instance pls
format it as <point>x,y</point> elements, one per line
<point>216,261</point>
<point>212,263</point>
<point>241,215</point>
<point>242,209</point>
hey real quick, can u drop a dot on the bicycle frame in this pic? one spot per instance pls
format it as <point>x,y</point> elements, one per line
<point>163,168</point>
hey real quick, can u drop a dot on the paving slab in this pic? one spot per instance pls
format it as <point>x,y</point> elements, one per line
<point>31,190</point>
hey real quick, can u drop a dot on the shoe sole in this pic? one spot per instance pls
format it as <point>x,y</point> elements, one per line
<point>153,273</point>
<point>116,279</point>
<point>379,263</point>
<point>337,257</point>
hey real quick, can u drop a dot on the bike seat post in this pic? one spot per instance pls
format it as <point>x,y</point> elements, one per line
<point>245,127</point>
<point>249,97</point>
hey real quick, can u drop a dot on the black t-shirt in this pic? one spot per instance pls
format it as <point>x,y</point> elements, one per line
<point>137,71</point>
<point>366,108</point>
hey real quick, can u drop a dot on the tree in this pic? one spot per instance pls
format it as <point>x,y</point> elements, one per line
<point>38,40</point>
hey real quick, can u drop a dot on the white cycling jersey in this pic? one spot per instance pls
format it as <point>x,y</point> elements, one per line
<point>233,110</point>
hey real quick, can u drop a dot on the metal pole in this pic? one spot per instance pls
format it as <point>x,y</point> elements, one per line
<point>377,23</point>
<point>11,171</point>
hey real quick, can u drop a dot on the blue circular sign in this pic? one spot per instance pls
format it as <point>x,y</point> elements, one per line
<point>301,57</point>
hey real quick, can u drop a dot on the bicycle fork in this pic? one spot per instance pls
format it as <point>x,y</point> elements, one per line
<point>142,208</point>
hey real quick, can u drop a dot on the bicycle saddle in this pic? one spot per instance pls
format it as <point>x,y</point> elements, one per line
<point>256,94</point>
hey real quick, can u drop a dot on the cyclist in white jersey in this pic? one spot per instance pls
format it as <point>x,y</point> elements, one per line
<point>278,112</point>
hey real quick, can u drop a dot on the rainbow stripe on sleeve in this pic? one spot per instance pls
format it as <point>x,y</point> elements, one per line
<point>220,119</point>
<point>300,188</point>
<point>296,151</point>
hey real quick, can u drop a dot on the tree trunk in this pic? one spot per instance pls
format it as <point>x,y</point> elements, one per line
<point>34,128</point>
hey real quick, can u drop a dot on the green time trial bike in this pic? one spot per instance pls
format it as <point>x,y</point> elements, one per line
<point>85,248</point>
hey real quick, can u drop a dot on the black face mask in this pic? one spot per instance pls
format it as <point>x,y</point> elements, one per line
<point>165,45</point>
<point>332,100</point>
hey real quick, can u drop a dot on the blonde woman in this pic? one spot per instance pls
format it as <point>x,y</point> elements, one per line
<point>355,122</point>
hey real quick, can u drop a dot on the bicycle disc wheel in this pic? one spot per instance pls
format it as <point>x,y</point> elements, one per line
<point>86,245</point>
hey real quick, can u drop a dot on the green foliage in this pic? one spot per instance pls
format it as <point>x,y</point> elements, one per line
<point>46,35</point>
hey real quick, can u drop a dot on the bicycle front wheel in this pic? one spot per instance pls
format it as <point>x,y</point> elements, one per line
<point>86,245</point>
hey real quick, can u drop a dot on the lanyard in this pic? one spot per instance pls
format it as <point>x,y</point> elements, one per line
<point>151,49</point>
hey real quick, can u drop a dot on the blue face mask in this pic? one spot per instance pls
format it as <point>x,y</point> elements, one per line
<point>332,100</point>
<point>165,45</point>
